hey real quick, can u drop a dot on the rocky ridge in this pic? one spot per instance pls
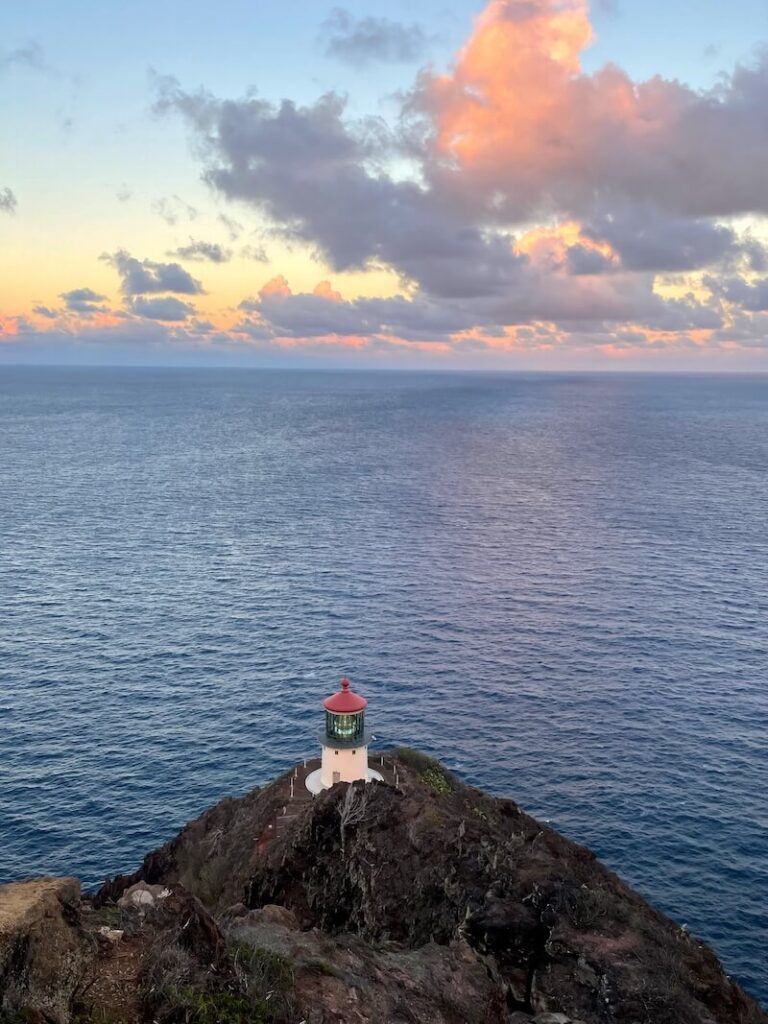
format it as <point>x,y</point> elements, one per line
<point>415,900</point>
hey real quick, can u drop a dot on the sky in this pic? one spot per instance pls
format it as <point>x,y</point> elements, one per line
<point>530,184</point>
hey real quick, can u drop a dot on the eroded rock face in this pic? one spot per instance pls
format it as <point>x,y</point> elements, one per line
<point>340,979</point>
<point>44,951</point>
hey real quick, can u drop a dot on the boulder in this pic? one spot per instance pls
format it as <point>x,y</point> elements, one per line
<point>141,896</point>
<point>44,951</point>
<point>273,914</point>
<point>182,920</point>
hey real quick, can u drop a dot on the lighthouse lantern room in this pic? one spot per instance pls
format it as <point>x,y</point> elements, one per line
<point>344,741</point>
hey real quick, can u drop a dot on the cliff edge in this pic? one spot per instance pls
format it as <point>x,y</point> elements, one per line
<point>419,899</point>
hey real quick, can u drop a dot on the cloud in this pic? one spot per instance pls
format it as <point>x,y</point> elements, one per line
<point>8,201</point>
<point>145,277</point>
<point>165,307</point>
<point>751,296</point>
<point>577,304</point>
<point>517,129</point>
<point>646,239</point>
<point>583,260</point>
<point>257,253</point>
<point>368,40</point>
<point>29,56</point>
<point>323,313</point>
<point>277,286</point>
<point>234,227</point>
<point>325,290</point>
<point>83,300</point>
<point>203,251</point>
<point>172,209</point>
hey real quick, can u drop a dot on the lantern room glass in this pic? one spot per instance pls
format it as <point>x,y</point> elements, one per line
<point>345,727</point>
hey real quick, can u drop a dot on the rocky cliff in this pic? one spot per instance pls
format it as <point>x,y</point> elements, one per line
<point>418,899</point>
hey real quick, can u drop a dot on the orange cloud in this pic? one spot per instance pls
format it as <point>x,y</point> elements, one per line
<point>324,291</point>
<point>9,328</point>
<point>550,245</point>
<point>508,94</point>
<point>277,286</point>
<point>344,341</point>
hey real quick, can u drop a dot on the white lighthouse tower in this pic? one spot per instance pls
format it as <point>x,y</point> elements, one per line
<point>344,741</point>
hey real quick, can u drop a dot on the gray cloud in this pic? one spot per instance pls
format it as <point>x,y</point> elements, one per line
<point>29,56</point>
<point>319,182</point>
<point>83,300</point>
<point>756,255</point>
<point>8,201</point>
<point>145,277</point>
<point>257,253</point>
<point>234,227</point>
<point>172,209</point>
<point>752,297</point>
<point>646,238</point>
<point>362,41</point>
<point>582,260</point>
<point>311,316</point>
<point>211,252</point>
<point>164,307</point>
<point>575,304</point>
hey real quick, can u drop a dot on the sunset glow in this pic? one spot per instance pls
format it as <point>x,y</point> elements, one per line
<point>513,197</point>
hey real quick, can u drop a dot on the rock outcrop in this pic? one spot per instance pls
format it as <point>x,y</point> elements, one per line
<point>43,948</point>
<point>426,902</point>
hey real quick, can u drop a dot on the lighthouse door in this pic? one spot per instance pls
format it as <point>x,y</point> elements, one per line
<point>336,777</point>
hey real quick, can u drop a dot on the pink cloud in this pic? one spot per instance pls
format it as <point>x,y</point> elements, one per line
<point>517,127</point>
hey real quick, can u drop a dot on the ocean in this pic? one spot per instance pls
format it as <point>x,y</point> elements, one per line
<point>557,583</point>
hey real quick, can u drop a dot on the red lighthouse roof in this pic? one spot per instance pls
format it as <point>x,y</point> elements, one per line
<point>345,701</point>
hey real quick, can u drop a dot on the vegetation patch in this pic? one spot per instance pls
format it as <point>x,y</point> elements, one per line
<point>322,968</point>
<point>249,986</point>
<point>428,769</point>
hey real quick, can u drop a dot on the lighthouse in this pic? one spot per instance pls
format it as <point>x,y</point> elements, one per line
<point>344,741</point>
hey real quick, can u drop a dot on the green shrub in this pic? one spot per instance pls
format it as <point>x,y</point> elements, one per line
<point>436,779</point>
<point>251,986</point>
<point>267,978</point>
<point>189,1005</point>
<point>429,770</point>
